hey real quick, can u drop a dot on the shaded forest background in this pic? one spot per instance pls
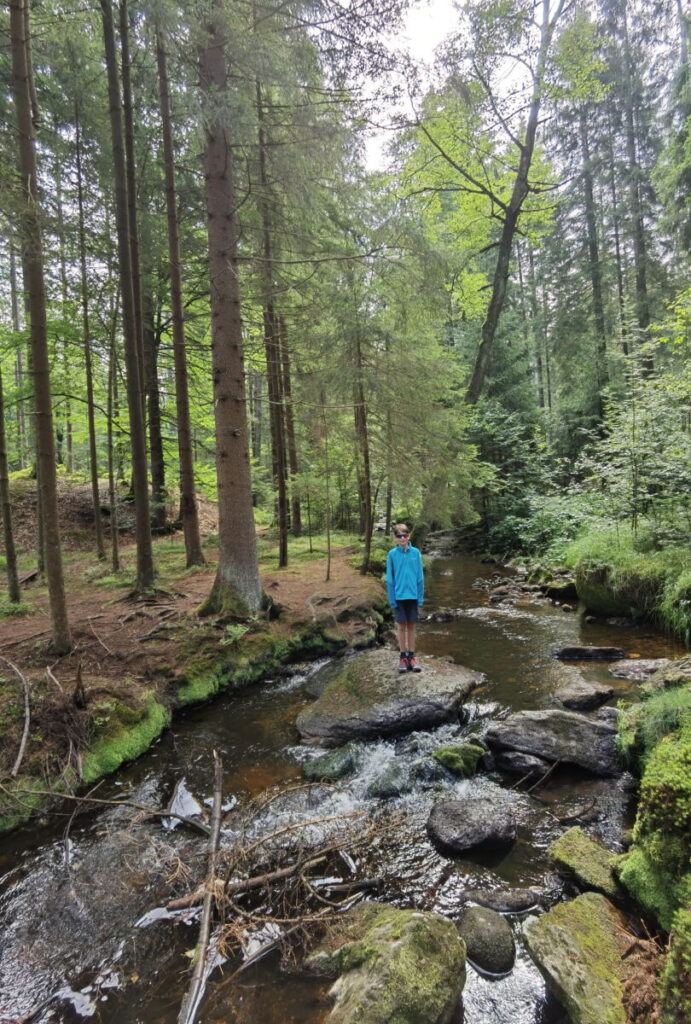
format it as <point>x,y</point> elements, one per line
<point>207,290</point>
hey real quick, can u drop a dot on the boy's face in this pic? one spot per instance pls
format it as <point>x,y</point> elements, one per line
<point>401,537</point>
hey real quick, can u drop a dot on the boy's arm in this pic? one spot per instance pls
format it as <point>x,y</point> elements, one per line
<point>420,584</point>
<point>390,580</point>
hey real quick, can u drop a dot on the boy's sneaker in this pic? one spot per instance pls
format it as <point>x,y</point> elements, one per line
<point>403,663</point>
<point>413,664</point>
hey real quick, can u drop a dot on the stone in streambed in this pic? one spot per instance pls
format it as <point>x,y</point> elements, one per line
<point>583,861</point>
<point>469,822</point>
<point>583,696</point>
<point>557,735</point>
<point>369,698</point>
<point>637,669</point>
<point>401,966</point>
<point>393,782</point>
<point>506,901</point>
<point>489,940</point>
<point>461,760</point>
<point>589,654</point>
<point>332,766</point>
<point>528,766</point>
<point>578,947</point>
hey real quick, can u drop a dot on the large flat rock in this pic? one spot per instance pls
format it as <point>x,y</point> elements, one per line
<point>557,735</point>
<point>578,947</point>
<point>369,698</point>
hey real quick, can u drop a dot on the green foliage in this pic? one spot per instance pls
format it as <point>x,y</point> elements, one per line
<point>675,981</point>
<point>233,633</point>
<point>643,725</point>
<point>9,609</point>
<point>663,822</point>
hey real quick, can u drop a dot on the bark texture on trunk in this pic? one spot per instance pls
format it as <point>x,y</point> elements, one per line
<point>512,212</point>
<point>594,265</point>
<point>188,500</point>
<point>145,564</point>
<point>236,589</point>
<point>13,592</point>
<point>35,286</point>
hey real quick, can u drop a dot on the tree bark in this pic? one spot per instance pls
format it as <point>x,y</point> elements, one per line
<point>594,264</point>
<point>272,344</point>
<point>145,564</point>
<point>91,418</point>
<point>293,464</point>
<point>362,436</point>
<point>511,214</point>
<point>236,589</point>
<point>151,341</point>
<point>19,362</point>
<point>188,500</point>
<point>21,83</point>
<point>13,592</point>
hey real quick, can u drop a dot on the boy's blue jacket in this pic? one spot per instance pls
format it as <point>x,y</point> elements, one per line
<point>405,580</point>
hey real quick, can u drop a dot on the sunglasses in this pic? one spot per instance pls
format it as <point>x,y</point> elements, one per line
<point>399,535</point>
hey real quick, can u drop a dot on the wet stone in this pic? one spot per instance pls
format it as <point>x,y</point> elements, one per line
<point>489,940</point>
<point>583,696</point>
<point>470,822</point>
<point>526,765</point>
<point>637,669</point>
<point>589,654</point>
<point>563,736</point>
<point>332,766</point>
<point>393,782</point>
<point>505,901</point>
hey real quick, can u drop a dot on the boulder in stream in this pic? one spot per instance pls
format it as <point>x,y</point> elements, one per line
<point>506,901</point>
<point>589,654</point>
<point>557,735</point>
<point>467,822</point>
<point>336,764</point>
<point>461,760</point>
<point>369,698</point>
<point>392,965</point>
<point>528,766</point>
<point>583,696</point>
<point>489,940</point>
<point>637,669</point>
<point>578,947</point>
<point>583,861</point>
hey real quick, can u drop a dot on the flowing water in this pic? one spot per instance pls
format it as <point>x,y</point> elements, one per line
<point>84,932</point>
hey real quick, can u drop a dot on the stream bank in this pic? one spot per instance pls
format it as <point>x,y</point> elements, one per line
<point>138,663</point>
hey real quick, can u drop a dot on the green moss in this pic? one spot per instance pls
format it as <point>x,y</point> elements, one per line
<point>18,802</point>
<point>577,945</point>
<point>675,982</point>
<point>581,859</point>
<point>461,760</point>
<point>663,822</point>
<point>643,725</point>
<point>659,892</point>
<point>124,743</point>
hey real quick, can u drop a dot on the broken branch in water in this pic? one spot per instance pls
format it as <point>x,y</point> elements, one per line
<point>195,992</point>
<point>151,811</point>
<point>27,716</point>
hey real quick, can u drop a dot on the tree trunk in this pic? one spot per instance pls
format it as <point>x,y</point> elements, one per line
<point>151,339</point>
<point>293,465</point>
<point>236,589</point>
<point>362,436</point>
<point>19,363</point>
<point>518,194</point>
<point>272,345</point>
<point>623,328</point>
<point>638,238</point>
<point>13,592</point>
<point>145,564</point>
<point>594,264</point>
<point>131,173</point>
<point>21,82</point>
<point>188,499</point>
<point>112,484</point>
<point>93,456</point>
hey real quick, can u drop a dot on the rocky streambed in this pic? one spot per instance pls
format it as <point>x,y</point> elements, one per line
<point>472,799</point>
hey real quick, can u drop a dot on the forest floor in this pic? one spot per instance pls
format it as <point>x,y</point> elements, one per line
<point>127,650</point>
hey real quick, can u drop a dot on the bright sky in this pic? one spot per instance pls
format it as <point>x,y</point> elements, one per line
<point>426,24</point>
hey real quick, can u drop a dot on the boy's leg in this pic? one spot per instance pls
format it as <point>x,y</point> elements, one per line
<point>413,664</point>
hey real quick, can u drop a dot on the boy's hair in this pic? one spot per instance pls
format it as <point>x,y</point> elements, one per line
<point>397,527</point>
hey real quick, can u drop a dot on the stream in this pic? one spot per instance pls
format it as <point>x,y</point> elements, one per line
<point>83,930</point>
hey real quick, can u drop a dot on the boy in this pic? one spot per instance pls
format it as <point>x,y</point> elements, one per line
<point>405,587</point>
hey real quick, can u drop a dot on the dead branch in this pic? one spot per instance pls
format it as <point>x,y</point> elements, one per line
<point>104,646</point>
<point>160,627</point>
<point>193,996</point>
<point>543,777</point>
<point>27,716</point>
<point>53,678</point>
<point>568,818</point>
<point>245,884</point>
<point>302,824</point>
<point>152,812</point>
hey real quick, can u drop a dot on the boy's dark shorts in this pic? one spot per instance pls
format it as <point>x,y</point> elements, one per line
<point>406,611</point>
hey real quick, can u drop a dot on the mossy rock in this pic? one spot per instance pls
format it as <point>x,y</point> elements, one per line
<point>585,862</point>
<point>462,760</point>
<point>336,764</point>
<point>663,821</point>
<point>392,967</point>
<point>578,946</point>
